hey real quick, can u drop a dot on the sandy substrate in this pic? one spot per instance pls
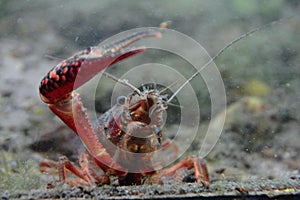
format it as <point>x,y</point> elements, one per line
<point>252,189</point>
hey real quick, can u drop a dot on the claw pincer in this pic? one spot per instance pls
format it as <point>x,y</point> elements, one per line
<point>57,85</point>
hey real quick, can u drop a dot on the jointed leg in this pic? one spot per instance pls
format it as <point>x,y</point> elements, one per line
<point>86,174</point>
<point>198,164</point>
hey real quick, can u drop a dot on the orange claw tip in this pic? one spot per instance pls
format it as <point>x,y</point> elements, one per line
<point>153,33</point>
<point>165,24</point>
<point>158,35</point>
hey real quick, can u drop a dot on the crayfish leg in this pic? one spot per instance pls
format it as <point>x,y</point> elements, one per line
<point>196,163</point>
<point>86,174</point>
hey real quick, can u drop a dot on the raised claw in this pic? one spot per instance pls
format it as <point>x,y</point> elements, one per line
<point>59,82</point>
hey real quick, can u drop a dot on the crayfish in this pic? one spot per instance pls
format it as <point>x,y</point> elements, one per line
<point>126,135</point>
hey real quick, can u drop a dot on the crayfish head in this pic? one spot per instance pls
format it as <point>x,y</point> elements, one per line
<point>148,106</point>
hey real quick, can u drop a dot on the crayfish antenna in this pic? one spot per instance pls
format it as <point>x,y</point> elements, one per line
<point>123,82</point>
<point>169,86</point>
<point>249,33</point>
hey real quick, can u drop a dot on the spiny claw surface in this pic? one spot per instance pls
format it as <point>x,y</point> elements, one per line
<point>62,79</point>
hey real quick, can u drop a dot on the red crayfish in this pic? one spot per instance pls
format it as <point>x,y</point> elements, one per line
<point>132,127</point>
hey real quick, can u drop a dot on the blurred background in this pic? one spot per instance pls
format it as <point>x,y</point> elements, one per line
<point>261,74</point>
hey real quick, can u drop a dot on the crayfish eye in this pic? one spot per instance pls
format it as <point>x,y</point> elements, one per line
<point>121,100</point>
<point>164,99</point>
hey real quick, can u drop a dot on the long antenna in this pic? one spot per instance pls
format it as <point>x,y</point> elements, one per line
<point>123,82</point>
<point>168,87</point>
<point>222,50</point>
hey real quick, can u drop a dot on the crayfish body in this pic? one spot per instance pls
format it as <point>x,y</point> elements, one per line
<point>128,134</point>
